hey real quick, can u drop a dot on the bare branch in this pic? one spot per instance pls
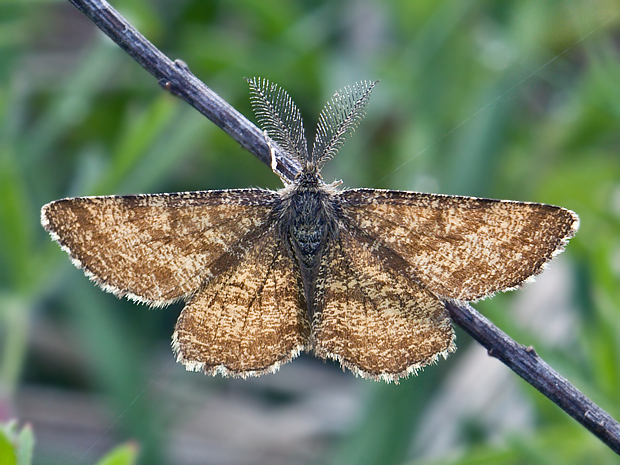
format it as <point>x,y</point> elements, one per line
<point>175,77</point>
<point>525,362</point>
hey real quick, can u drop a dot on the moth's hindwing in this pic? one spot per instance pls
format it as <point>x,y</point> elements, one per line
<point>247,320</point>
<point>372,317</point>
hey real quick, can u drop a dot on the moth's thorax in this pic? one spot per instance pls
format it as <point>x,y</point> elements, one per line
<point>308,224</point>
<point>309,218</point>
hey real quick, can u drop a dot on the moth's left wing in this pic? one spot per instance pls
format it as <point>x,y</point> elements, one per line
<point>249,319</point>
<point>156,248</point>
<point>462,247</point>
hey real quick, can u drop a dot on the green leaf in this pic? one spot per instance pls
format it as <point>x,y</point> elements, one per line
<point>125,454</point>
<point>7,454</point>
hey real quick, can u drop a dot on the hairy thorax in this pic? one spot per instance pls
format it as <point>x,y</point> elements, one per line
<point>308,224</point>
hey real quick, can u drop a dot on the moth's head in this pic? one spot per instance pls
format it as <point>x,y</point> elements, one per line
<point>309,168</point>
<point>309,176</point>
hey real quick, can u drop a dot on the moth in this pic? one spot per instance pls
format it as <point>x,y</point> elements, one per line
<point>360,276</point>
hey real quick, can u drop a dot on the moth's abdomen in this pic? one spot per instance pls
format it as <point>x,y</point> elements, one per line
<point>309,240</point>
<point>309,227</point>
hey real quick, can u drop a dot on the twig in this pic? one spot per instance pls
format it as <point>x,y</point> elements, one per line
<point>176,77</point>
<point>525,362</point>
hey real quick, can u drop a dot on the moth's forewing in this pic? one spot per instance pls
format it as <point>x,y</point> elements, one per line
<point>463,248</point>
<point>155,248</point>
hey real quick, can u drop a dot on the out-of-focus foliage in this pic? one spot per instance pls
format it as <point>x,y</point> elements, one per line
<point>516,100</point>
<point>16,448</point>
<point>16,445</point>
<point>125,454</point>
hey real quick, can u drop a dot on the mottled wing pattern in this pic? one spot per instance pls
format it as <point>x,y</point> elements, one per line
<point>371,316</point>
<point>247,320</point>
<point>155,248</point>
<point>462,248</point>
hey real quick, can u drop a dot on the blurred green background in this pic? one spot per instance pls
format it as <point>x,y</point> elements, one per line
<point>517,100</point>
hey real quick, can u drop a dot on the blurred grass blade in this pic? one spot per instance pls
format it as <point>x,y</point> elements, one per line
<point>125,454</point>
<point>16,224</point>
<point>7,453</point>
<point>143,131</point>
<point>178,140</point>
<point>392,416</point>
<point>14,315</point>
<point>74,101</point>
<point>25,445</point>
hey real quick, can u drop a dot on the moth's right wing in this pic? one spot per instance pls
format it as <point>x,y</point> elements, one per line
<point>162,247</point>
<point>371,316</point>
<point>463,248</point>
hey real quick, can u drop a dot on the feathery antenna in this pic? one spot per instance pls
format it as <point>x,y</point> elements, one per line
<point>341,115</point>
<point>278,115</point>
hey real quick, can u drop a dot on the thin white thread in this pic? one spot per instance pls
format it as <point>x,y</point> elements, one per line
<point>272,152</point>
<point>120,415</point>
<point>498,98</point>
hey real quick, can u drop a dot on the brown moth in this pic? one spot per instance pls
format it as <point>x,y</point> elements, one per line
<point>360,276</point>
